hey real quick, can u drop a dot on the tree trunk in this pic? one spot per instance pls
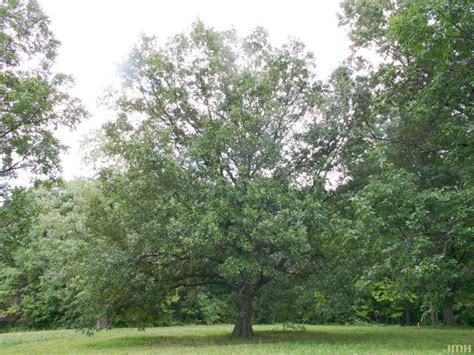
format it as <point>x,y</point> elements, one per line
<point>407,315</point>
<point>101,323</point>
<point>243,323</point>
<point>448,314</point>
<point>434,316</point>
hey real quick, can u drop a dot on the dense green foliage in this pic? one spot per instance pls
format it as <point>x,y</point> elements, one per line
<point>239,188</point>
<point>415,210</point>
<point>33,100</point>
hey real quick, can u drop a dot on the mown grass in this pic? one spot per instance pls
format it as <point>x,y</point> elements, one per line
<point>269,339</point>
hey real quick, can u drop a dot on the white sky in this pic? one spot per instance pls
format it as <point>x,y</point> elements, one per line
<point>96,36</point>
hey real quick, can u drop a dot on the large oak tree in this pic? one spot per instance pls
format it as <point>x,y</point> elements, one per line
<point>207,189</point>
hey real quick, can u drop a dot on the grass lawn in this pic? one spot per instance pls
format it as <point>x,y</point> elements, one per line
<point>215,339</point>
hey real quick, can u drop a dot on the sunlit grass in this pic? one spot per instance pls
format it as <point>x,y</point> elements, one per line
<point>216,340</point>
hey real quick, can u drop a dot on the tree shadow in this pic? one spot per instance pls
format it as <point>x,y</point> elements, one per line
<point>308,337</point>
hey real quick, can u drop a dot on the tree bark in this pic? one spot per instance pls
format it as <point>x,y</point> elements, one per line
<point>407,315</point>
<point>243,322</point>
<point>101,323</point>
<point>448,314</point>
<point>434,316</point>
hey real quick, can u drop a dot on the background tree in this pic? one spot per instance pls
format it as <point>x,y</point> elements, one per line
<point>33,100</point>
<point>40,285</point>
<point>420,143</point>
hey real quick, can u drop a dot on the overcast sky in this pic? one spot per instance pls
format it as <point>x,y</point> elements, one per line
<point>96,36</point>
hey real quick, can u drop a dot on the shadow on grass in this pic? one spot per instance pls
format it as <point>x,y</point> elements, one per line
<point>263,337</point>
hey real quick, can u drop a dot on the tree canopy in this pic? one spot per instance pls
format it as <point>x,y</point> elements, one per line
<point>208,137</point>
<point>34,100</point>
